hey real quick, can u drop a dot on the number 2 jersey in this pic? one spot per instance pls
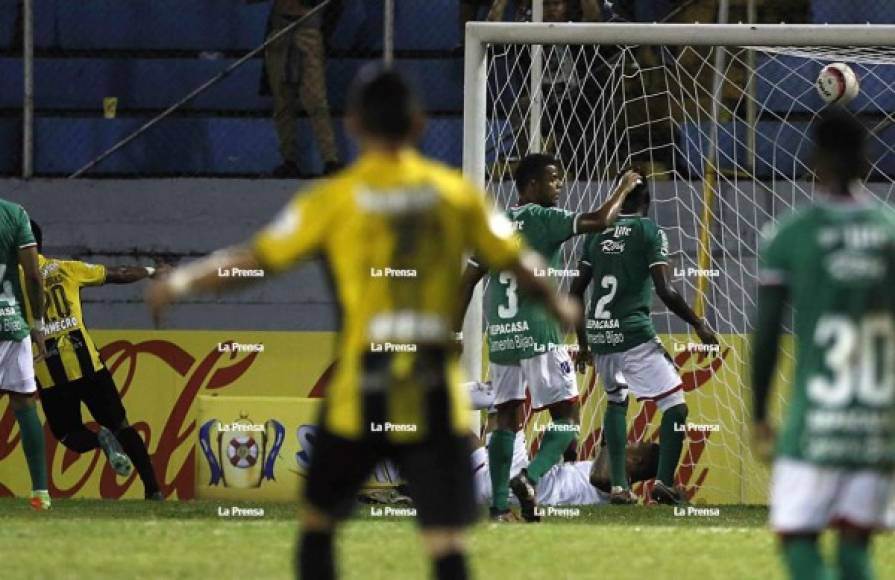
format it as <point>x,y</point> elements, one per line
<point>618,316</point>
<point>837,260</point>
<point>519,327</point>
<point>71,353</point>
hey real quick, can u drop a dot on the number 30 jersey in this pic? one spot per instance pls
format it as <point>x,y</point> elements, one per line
<point>618,316</point>
<point>837,260</point>
<point>71,353</point>
<point>518,326</point>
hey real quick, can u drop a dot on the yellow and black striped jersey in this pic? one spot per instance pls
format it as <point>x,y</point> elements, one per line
<point>71,353</point>
<point>393,231</point>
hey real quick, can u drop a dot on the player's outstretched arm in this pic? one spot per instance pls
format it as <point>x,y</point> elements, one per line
<point>202,276</point>
<point>472,274</point>
<point>765,340</point>
<point>131,274</point>
<point>34,288</point>
<point>564,308</point>
<point>597,221</point>
<point>676,303</point>
<point>579,287</point>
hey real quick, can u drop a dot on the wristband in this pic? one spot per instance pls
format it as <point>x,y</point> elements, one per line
<point>150,271</point>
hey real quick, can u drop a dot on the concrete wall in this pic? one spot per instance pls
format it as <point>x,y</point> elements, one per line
<point>128,221</point>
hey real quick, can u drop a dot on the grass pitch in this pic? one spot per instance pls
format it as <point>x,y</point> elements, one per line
<point>133,539</point>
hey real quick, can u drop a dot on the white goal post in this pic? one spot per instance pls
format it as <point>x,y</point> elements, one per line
<point>717,176</point>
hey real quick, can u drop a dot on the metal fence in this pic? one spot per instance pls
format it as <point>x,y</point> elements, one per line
<point>188,87</point>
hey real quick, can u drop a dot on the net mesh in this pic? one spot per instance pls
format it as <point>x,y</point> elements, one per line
<point>601,109</point>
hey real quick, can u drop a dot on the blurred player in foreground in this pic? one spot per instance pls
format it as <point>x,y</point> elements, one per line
<point>19,248</point>
<point>626,262</point>
<point>525,344</point>
<point>834,262</point>
<point>393,229</point>
<point>72,371</point>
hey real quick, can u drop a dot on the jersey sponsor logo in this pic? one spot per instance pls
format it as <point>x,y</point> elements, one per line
<point>621,231</point>
<point>612,247</point>
<point>602,323</point>
<point>854,237</point>
<point>606,337</point>
<point>851,266</point>
<point>517,342</point>
<point>8,311</point>
<point>508,327</point>
<point>407,326</point>
<point>61,325</point>
<point>400,201</point>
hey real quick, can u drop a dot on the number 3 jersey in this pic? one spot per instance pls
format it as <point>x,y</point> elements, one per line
<point>837,261</point>
<point>618,316</point>
<point>71,353</point>
<point>518,326</point>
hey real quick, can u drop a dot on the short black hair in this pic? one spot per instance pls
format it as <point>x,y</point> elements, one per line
<point>532,167</point>
<point>637,197</point>
<point>384,102</point>
<point>38,235</point>
<point>840,142</point>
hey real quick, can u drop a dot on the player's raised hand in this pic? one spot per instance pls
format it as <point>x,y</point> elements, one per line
<point>763,437</point>
<point>705,332</point>
<point>630,179</point>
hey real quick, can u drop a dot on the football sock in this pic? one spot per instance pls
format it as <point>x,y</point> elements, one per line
<point>670,442</point>
<point>315,556</point>
<point>615,431</point>
<point>555,442</point>
<point>451,567</point>
<point>802,557</point>
<point>135,448</point>
<point>33,446</point>
<point>81,440</point>
<point>500,459</point>
<point>853,558</point>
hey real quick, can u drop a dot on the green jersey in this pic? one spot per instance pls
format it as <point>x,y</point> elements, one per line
<point>837,260</point>
<point>518,326</point>
<point>15,233</point>
<point>618,316</point>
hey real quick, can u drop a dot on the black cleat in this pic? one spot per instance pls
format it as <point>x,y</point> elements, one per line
<point>503,517</point>
<point>154,496</point>
<point>667,495</point>
<point>524,491</point>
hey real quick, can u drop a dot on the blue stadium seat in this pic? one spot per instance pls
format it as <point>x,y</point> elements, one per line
<point>852,12</point>
<point>10,145</point>
<point>786,84</point>
<point>8,13</point>
<point>190,146</point>
<point>158,83</point>
<point>427,25</point>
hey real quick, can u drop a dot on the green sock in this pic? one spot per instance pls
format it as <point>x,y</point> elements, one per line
<point>555,441</point>
<point>615,430</point>
<point>803,560</point>
<point>33,445</point>
<point>670,442</point>
<point>500,459</point>
<point>853,559</point>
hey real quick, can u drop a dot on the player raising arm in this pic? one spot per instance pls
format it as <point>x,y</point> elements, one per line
<point>624,261</point>
<point>391,211</point>
<point>834,262</point>
<point>524,342</point>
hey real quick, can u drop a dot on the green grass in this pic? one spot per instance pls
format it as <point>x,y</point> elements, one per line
<point>130,539</point>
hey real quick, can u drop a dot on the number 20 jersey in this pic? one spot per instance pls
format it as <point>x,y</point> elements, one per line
<point>837,260</point>
<point>618,316</point>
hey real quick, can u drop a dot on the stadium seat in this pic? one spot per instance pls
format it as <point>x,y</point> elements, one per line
<point>852,12</point>
<point>427,25</point>
<point>10,145</point>
<point>158,83</point>
<point>195,146</point>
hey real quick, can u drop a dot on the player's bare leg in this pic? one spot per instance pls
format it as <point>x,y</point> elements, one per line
<point>33,446</point>
<point>500,458</point>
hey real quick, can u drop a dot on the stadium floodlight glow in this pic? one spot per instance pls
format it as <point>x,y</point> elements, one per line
<point>644,94</point>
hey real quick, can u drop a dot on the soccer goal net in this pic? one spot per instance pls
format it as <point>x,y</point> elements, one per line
<point>718,120</point>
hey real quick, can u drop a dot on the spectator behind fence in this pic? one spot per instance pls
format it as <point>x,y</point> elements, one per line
<point>295,67</point>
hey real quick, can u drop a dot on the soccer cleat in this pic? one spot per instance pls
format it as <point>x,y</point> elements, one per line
<point>154,496</point>
<point>120,462</point>
<point>40,499</point>
<point>525,493</point>
<point>667,495</point>
<point>621,496</point>
<point>505,517</point>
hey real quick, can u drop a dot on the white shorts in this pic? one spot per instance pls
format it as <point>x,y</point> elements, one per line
<point>17,367</point>
<point>646,370</point>
<point>808,498</point>
<point>550,377</point>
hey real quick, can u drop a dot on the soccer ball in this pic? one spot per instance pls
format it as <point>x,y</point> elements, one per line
<point>837,84</point>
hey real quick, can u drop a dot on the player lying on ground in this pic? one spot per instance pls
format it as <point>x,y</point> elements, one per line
<point>834,263</point>
<point>392,210</point>
<point>73,373</point>
<point>564,484</point>
<point>525,345</point>
<point>624,261</point>
<point>19,248</point>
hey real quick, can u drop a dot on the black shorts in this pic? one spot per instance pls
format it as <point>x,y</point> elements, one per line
<point>438,472</point>
<point>62,403</point>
